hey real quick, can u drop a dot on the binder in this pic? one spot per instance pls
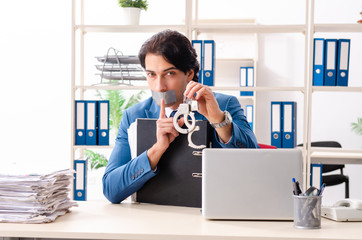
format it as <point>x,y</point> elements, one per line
<point>243,80</point>
<point>276,124</point>
<point>316,175</point>
<point>208,63</point>
<point>197,44</point>
<point>80,122</point>
<point>178,181</point>
<point>80,180</point>
<point>289,139</point>
<point>330,62</point>
<point>318,62</point>
<point>343,62</point>
<point>91,123</point>
<point>250,80</point>
<point>249,112</point>
<point>103,122</point>
<point>246,80</point>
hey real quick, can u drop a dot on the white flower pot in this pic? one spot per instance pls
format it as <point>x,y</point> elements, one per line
<point>130,15</point>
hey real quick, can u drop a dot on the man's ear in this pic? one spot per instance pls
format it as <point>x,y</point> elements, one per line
<point>190,75</point>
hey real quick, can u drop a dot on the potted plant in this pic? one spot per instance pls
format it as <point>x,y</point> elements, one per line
<point>131,10</point>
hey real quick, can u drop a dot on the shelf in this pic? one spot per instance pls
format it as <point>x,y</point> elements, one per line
<point>251,60</point>
<point>128,28</point>
<point>111,87</point>
<point>336,89</point>
<point>226,88</point>
<point>75,147</point>
<point>241,28</point>
<point>259,89</point>
<point>338,27</point>
<point>249,28</point>
<point>336,156</point>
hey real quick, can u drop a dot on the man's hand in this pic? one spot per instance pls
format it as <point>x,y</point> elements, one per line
<point>165,135</point>
<point>208,107</point>
<point>166,132</point>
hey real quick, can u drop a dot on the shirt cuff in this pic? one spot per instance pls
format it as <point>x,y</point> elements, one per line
<point>221,141</point>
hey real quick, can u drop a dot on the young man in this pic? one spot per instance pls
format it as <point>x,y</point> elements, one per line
<point>171,66</point>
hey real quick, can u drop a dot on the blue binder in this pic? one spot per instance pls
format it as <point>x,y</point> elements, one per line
<point>246,78</point>
<point>80,122</point>
<point>316,175</point>
<point>343,62</point>
<point>289,139</point>
<point>250,79</point>
<point>276,124</point>
<point>197,44</point>
<point>103,122</point>
<point>318,62</point>
<point>80,180</point>
<point>208,63</point>
<point>91,123</point>
<point>330,62</point>
<point>243,80</point>
<point>250,115</point>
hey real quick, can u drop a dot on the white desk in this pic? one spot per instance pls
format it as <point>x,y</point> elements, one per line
<point>336,156</point>
<point>102,220</point>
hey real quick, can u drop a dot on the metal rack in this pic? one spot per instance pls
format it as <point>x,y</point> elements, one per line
<point>119,68</point>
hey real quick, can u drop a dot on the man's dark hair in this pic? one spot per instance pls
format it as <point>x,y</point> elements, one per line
<point>175,48</point>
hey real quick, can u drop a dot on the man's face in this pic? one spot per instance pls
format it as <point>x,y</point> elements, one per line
<point>163,76</point>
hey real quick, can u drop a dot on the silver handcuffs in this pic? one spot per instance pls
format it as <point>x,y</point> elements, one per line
<point>186,110</point>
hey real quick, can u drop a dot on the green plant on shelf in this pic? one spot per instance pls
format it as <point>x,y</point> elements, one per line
<point>357,126</point>
<point>118,102</point>
<point>142,4</point>
<point>96,160</point>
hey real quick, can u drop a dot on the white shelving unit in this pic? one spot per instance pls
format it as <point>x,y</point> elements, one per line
<point>193,27</point>
<point>327,155</point>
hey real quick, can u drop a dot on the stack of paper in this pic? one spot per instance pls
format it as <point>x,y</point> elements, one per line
<point>35,198</point>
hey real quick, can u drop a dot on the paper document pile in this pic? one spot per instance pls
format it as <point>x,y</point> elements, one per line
<point>35,198</point>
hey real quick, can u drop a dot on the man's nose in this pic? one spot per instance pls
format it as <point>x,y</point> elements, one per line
<point>161,85</point>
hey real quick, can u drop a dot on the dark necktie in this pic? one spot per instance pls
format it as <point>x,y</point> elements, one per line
<point>173,113</point>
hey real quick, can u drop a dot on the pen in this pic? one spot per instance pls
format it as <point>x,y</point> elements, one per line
<point>310,191</point>
<point>320,192</point>
<point>296,188</point>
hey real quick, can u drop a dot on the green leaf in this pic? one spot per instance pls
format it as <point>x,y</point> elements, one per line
<point>95,160</point>
<point>357,127</point>
<point>142,4</point>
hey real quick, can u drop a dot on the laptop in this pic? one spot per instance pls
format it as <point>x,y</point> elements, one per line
<point>249,184</point>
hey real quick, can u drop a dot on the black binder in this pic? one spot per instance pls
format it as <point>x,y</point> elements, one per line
<point>178,181</point>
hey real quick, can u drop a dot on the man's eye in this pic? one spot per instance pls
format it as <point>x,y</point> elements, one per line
<point>150,74</point>
<point>170,73</point>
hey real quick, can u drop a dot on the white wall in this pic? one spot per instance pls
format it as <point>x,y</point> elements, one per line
<point>35,77</point>
<point>35,63</point>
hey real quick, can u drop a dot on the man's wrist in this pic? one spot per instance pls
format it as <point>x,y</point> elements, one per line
<point>218,118</point>
<point>225,122</point>
<point>154,154</point>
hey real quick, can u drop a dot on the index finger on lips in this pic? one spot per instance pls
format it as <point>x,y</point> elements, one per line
<point>162,110</point>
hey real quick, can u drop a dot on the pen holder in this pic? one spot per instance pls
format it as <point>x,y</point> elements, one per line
<point>307,211</point>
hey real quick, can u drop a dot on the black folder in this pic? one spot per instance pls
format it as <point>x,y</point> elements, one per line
<point>178,182</point>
